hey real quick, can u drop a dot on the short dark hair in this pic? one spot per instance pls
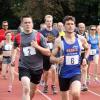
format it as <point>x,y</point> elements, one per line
<point>25,16</point>
<point>67,18</point>
<point>5,21</point>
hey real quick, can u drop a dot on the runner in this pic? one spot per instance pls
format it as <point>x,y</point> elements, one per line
<point>31,59</point>
<point>94,41</point>
<point>81,31</point>
<point>6,46</point>
<point>50,34</point>
<point>70,51</point>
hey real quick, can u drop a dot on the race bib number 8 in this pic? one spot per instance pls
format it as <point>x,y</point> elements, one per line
<point>28,51</point>
<point>72,60</point>
<point>92,51</point>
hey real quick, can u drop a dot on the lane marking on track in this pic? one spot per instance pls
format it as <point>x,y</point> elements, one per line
<point>93,75</point>
<point>47,97</point>
<point>94,93</point>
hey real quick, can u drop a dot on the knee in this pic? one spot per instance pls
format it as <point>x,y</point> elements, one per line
<point>84,69</point>
<point>76,94</point>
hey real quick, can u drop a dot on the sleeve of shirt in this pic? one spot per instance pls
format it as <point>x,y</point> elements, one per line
<point>15,44</point>
<point>43,41</point>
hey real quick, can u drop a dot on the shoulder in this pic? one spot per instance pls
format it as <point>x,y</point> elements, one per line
<point>2,42</point>
<point>55,31</point>
<point>18,36</point>
<point>58,41</point>
<point>80,36</point>
<point>43,31</point>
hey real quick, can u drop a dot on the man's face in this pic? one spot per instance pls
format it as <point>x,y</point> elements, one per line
<point>49,22</point>
<point>60,27</point>
<point>27,24</point>
<point>81,28</point>
<point>5,26</point>
<point>69,26</point>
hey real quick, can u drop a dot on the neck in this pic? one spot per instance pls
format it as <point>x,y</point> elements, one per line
<point>8,40</point>
<point>92,34</point>
<point>49,28</point>
<point>81,32</point>
<point>69,35</point>
<point>27,31</point>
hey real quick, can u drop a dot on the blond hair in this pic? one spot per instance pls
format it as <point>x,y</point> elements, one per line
<point>48,16</point>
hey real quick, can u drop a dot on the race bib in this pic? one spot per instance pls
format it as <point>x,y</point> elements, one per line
<point>92,51</point>
<point>8,47</point>
<point>28,51</point>
<point>50,45</point>
<point>72,60</point>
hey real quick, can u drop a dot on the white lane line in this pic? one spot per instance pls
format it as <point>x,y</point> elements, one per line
<point>94,93</point>
<point>93,75</point>
<point>47,97</point>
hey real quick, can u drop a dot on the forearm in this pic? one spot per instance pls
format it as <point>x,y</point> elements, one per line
<point>44,51</point>
<point>14,53</point>
<point>87,52</point>
<point>55,51</point>
<point>54,59</point>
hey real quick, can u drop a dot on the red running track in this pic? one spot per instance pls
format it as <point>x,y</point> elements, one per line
<point>92,94</point>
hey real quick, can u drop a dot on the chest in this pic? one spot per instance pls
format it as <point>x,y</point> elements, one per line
<point>26,40</point>
<point>71,49</point>
<point>8,46</point>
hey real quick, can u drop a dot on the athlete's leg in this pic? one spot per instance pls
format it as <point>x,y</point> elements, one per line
<point>75,90</point>
<point>84,77</point>
<point>64,95</point>
<point>4,70</point>
<point>53,72</point>
<point>96,60</point>
<point>11,77</point>
<point>26,88</point>
<point>33,88</point>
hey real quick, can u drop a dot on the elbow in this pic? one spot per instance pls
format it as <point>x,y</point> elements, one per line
<point>48,53</point>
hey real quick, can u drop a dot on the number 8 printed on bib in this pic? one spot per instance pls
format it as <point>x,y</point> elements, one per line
<point>72,60</point>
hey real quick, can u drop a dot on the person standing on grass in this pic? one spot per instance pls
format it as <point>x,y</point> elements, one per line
<point>31,58</point>
<point>70,68</point>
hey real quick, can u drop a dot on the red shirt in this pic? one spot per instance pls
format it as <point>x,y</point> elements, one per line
<point>2,35</point>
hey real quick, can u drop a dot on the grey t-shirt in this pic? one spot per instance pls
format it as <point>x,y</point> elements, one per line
<point>29,56</point>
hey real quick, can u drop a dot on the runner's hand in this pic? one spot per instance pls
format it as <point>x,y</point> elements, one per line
<point>13,61</point>
<point>60,60</point>
<point>34,44</point>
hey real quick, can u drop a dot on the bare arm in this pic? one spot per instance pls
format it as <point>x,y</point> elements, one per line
<point>44,51</point>
<point>1,44</point>
<point>57,47</point>
<point>86,47</point>
<point>99,41</point>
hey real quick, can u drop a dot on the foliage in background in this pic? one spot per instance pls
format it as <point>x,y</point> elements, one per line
<point>83,10</point>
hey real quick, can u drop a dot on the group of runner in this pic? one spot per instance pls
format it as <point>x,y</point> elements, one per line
<point>62,50</point>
